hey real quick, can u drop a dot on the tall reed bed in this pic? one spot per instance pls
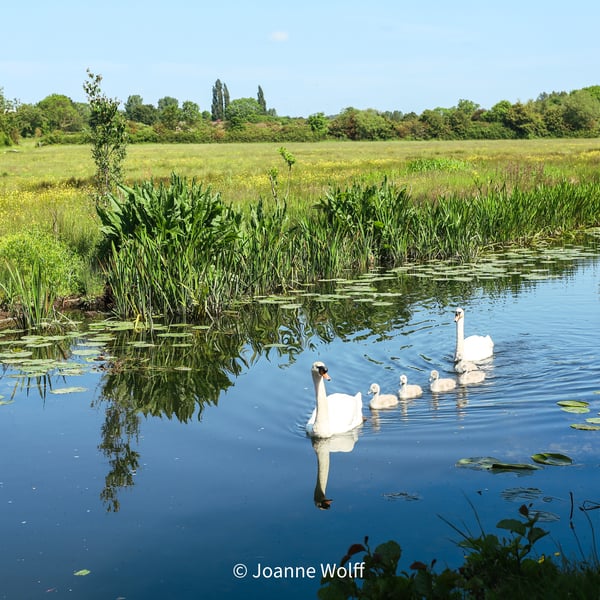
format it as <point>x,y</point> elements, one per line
<point>178,249</point>
<point>31,297</point>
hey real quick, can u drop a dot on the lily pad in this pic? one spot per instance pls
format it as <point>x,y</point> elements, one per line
<point>85,352</point>
<point>68,390</point>
<point>502,466</point>
<point>575,409</point>
<point>477,462</point>
<point>489,463</point>
<point>585,426</point>
<point>175,334</point>
<point>552,458</point>
<point>593,420</point>
<point>82,572</point>
<point>573,403</point>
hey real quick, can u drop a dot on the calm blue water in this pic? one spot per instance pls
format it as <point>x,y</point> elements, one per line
<point>159,506</point>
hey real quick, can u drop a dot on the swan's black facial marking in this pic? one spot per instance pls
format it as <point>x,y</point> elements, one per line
<point>323,371</point>
<point>458,315</point>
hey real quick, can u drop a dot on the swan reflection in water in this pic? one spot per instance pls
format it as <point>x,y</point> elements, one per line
<point>323,447</point>
<point>333,427</point>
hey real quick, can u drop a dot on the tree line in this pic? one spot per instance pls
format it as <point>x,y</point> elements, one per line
<point>59,119</point>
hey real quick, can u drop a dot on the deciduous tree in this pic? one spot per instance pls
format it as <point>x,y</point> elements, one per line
<point>107,135</point>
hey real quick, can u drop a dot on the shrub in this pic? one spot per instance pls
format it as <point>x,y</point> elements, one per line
<point>21,252</point>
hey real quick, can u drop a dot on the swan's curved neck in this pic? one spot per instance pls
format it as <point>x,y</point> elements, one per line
<point>460,339</point>
<point>321,427</point>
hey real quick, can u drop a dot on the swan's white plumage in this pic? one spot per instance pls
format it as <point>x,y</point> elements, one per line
<point>333,413</point>
<point>380,400</point>
<point>408,390</point>
<point>474,347</point>
<point>440,385</point>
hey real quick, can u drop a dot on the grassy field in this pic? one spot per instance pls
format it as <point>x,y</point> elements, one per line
<point>240,171</point>
<point>49,186</point>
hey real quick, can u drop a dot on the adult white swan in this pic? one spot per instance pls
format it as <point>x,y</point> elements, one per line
<point>408,390</point>
<point>473,348</point>
<point>380,400</point>
<point>335,413</point>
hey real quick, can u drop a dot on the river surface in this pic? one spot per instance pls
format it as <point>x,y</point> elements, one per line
<point>175,463</point>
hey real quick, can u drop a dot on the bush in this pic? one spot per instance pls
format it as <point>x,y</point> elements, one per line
<point>61,266</point>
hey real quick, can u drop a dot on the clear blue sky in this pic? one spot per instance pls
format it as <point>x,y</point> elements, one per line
<point>308,55</point>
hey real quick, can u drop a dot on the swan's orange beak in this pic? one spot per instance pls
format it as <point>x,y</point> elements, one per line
<point>323,372</point>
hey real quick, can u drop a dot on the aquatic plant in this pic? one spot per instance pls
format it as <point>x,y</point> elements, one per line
<point>30,297</point>
<point>178,249</point>
<point>492,568</point>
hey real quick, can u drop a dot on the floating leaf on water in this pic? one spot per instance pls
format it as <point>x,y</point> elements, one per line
<point>290,306</point>
<point>573,403</point>
<point>13,361</point>
<point>84,352</point>
<point>71,371</point>
<point>174,334</point>
<point>82,572</point>
<point>16,354</point>
<point>477,462</point>
<point>68,390</point>
<point>593,420</point>
<point>502,466</point>
<point>5,402</point>
<point>585,426</point>
<point>575,409</point>
<point>552,458</point>
<point>182,368</point>
<point>141,344</point>
<point>101,337</point>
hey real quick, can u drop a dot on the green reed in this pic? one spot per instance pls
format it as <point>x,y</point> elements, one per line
<point>30,299</point>
<point>179,250</point>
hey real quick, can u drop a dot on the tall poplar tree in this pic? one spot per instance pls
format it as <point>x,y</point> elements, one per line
<point>217,110</point>
<point>261,100</point>
<point>225,98</point>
